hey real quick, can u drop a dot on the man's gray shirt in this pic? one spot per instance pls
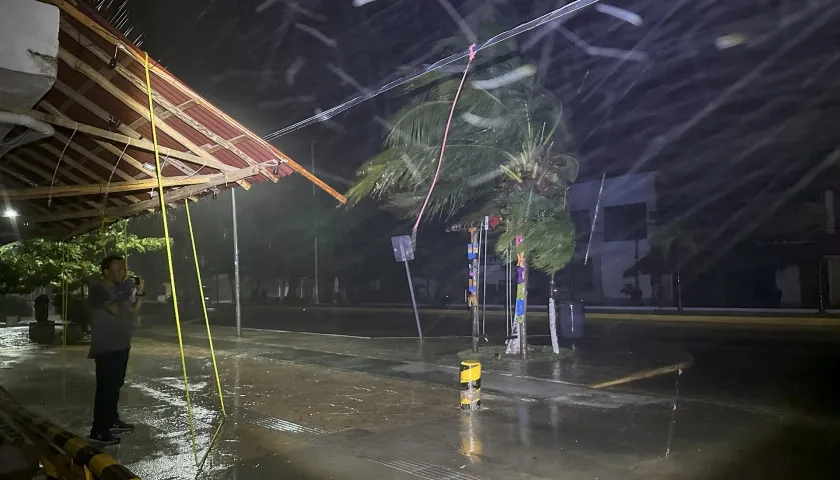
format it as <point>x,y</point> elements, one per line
<point>108,333</point>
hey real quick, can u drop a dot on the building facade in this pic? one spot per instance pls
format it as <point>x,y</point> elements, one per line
<point>622,234</point>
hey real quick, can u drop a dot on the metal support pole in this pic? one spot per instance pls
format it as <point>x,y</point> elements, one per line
<point>484,291</point>
<point>636,266</point>
<point>411,289</point>
<point>473,296</point>
<point>315,292</point>
<point>507,295</point>
<point>679,290</point>
<point>236,266</point>
<point>820,287</point>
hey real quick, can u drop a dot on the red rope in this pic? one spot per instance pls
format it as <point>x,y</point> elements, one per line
<point>443,145</point>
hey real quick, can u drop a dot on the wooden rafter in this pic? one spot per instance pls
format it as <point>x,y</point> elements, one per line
<point>162,114</point>
<point>91,156</point>
<point>32,193</point>
<point>70,8</point>
<point>68,159</point>
<point>120,154</point>
<point>88,71</point>
<point>120,138</point>
<point>49,176</point>
<point>172,110</point>
<point>26,183</point>
<point>100,82</point>
<point>172,196</point>
<point>105,117</point>
<point>18,177</point>
<point>40,172</point>
<point>106,71</point>
<point>235,140</point>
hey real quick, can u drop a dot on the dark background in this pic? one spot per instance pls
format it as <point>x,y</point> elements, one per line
<point>736,134</point>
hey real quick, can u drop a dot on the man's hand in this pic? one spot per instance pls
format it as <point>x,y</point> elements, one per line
<point>139,293</point>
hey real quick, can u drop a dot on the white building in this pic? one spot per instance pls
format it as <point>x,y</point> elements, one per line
<point>621,235</point>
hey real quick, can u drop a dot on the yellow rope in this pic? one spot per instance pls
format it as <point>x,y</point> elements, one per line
<point>102,233</point>
<point>169,255</point>
<point>64,298</point>
<point>125,233</point>
<point>204,307</point>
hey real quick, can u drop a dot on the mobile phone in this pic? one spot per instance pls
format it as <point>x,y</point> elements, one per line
<point>136,281</point>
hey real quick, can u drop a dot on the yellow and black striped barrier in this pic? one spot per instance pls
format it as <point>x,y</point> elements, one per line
<point>470,385</point>
<point>63,454</point>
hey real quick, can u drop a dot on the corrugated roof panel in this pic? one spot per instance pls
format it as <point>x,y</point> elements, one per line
<point>188,131</point>
<point>230,158</point>
<point>171,94</point>
<point>217,125</point>
<point>123,98</point>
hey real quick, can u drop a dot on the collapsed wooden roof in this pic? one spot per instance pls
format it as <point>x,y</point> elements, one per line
<point>100,164</point>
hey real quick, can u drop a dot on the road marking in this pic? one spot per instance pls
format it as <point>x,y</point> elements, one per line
<point>650,372</point>
<point>720,319</point>
<point>303,333</point>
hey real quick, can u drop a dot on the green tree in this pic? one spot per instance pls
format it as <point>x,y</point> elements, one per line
<point>505,155</point>
<point>29,264</point>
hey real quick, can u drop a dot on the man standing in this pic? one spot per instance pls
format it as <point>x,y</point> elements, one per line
<point>113,302</point>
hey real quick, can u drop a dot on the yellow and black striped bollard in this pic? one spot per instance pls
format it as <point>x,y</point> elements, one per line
<point>470,385</point>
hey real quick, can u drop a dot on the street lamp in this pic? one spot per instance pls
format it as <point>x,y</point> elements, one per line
<point>10,213</point>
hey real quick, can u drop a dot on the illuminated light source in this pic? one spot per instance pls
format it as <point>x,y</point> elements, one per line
<point>10,212</point>
<point>731,40</point>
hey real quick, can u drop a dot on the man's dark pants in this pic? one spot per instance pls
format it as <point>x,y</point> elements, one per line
<point>110,377</point>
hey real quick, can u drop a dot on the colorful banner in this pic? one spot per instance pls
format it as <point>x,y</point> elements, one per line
<point>521,293</point>
<point>472,256</point>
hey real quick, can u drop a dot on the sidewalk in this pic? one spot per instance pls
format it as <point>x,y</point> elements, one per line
<point>436,360</point>
<point>400,322</point>
<point>304,422</point>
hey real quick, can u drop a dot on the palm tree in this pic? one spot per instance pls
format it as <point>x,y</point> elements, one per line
<point>505,155</point>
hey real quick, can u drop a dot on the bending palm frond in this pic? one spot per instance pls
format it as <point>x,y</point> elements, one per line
<point>504,155</point>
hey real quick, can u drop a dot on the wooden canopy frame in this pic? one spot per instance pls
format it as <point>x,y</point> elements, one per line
<point>100,161</point>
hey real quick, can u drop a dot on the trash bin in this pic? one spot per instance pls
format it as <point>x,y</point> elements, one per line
<point>42,308</point>
<point>43,333</point>
<point>572,319</point>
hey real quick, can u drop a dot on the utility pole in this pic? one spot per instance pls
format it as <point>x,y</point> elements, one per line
<point>472,293</point>
<point>236,265</point>
<point>314,224</point>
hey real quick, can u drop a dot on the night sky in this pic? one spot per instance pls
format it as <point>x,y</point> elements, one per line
<point>731,101</point>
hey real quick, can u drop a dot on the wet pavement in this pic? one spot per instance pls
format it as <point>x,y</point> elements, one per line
<point>591,363</point>
<point>316,407</point>
<point>785,370</point>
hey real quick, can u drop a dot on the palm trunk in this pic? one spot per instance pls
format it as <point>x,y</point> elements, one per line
<point>522,293</point>
<point>521,299</point>
<point>552,317</point>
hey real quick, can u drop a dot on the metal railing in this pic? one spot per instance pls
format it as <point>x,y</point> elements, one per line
<point>63,455</point>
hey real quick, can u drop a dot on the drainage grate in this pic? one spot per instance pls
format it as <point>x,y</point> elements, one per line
<point>317,437</point>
